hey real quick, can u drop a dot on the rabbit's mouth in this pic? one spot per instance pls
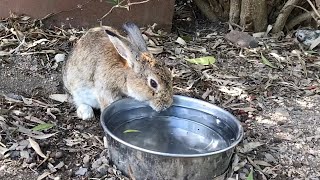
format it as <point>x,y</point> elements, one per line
<point>160,105</point>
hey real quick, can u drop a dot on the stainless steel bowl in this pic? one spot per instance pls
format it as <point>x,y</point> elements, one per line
<point>192,139</point>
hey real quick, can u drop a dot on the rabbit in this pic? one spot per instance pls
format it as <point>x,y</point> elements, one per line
<point>105,66</point>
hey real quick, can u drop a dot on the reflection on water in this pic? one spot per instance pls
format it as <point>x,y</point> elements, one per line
<point>171,135</point>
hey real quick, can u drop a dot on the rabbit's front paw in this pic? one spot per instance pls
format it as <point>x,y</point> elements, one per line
<point>85,112</point>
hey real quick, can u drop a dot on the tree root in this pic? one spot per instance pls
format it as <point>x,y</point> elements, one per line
<point>299,19</point>
<point>206,10</point>
<point>283,16</point>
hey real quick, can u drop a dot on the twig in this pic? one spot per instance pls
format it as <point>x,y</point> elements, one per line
<point>127,6</point>
<point>314,8</point>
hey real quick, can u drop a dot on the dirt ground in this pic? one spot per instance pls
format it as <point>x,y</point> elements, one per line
<point>279,106</point>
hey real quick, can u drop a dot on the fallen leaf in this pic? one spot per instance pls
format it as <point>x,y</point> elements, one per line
<point>60,165</point>
<point>155,50</point>
<point>4,53</point>
<point>270,158</point>
<point>44,175</point>
<point>250,176</point>
<point>207,60</point>
<point>41,127</point>
<point>3,150</point>
<point>266,62</point>
<point>59,97</point>
<point>36,147</point>
<point>34,119</point>
<point>262,163</point>
<point>42,136</point>
<point>315,43</point>
<point>51,168</point>
<point>131,131</point>
<point>249,147</point>
<point>181,41</point>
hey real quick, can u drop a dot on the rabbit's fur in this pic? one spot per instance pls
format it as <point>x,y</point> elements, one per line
<point>105,66</point>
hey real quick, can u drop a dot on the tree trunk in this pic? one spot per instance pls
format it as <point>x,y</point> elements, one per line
<point>260,17</point>
<point>234,13</point>
<point>246,19</point>
<point>205,8</point>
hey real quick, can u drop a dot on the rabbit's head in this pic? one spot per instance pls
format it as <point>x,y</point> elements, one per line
<point>150,80</point>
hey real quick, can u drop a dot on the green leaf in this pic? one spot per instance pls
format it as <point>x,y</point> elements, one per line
<point>131,131</point>
<point>207,60</point>
<point>250,176</point>
<point>113,2</point>
<point>266,62</point>
<point>41,127</point>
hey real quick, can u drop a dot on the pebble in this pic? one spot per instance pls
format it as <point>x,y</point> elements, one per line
<point>96,164</point>
<point>82,171</point>
<point>58,154</point>
<point>110,171</point>
<point>103,169</point>
<point>79,127</point>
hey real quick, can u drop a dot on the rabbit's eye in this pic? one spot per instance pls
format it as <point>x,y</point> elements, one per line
<point>153,84</point>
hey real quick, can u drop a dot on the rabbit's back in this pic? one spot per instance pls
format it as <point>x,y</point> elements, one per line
<point>92,54</point>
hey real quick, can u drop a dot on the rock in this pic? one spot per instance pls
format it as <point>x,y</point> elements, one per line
<point>96,164</point>
<point>58,154</point>
<point>59,57</point>
<point>103,169</point>
<point>82,171</point>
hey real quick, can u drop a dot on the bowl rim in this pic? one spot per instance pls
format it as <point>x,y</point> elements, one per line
<point>232,145</point>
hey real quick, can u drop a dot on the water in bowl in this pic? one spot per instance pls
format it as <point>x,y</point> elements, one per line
<point>171,135</point>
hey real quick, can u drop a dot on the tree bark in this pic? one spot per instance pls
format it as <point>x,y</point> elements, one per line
<point>234,13</point>
<point>260,17</point>
<point>283,16</point>
<point>205,8</point>
<point>246,13</point>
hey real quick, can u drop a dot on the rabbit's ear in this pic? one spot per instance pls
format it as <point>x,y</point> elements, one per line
<point>123,47</point>
<point>135,36</point>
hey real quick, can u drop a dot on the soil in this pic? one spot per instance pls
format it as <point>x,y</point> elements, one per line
<point>277,106</point>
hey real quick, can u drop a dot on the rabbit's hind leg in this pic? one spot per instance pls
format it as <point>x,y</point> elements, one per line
<point>85,100</point>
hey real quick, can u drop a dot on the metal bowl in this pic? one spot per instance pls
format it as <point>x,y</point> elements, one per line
<point>192,139</point>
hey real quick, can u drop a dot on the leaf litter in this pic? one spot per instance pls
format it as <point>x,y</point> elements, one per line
<point>237,81</point>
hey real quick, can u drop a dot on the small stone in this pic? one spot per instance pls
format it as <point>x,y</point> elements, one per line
<point>82,171</point>
<point>58,154</point>
<point>59,57</point>
<point>96,164</point>
<point>15,154</point>
<point>79,127</point>
<point>110,170</point>
<point>103,169</point>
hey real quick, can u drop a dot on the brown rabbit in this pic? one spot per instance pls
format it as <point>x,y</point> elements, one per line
<point>105,66</point>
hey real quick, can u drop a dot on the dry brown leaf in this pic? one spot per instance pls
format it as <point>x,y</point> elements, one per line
<point>59,97</point>
<point>181,41</point>
<point>44,175</point>
<point>36,147</point>
<point>315,43</point>
<point>249,147</point>
<point>3,150</point>
<point>262,163</point>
